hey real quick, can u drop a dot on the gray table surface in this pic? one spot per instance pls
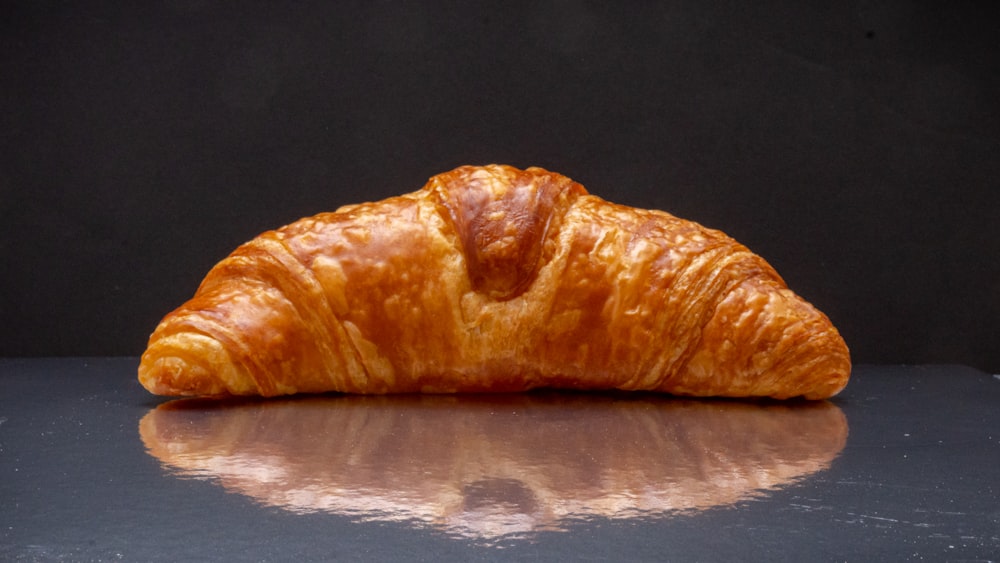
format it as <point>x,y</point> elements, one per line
<point>903,465</point>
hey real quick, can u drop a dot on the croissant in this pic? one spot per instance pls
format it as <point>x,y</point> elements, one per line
<point>495,279</point>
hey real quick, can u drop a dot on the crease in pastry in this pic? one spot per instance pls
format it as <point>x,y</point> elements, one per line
<point>503,225</point>
<point>495,279</point>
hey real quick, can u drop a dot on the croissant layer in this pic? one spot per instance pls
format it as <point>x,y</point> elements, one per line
<point>495,279</point>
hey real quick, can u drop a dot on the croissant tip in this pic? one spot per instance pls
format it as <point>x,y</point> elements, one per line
<point>836,380</point>
<point>174,376</point>
<point>188,364</point>
<point>826,392</point>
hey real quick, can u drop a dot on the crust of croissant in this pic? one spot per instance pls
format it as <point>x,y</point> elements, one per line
<point>495,279</point>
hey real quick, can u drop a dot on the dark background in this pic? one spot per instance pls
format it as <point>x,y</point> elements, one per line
<point>856,147</point>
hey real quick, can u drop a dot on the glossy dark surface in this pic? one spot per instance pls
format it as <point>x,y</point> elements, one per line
<point>902,465</point>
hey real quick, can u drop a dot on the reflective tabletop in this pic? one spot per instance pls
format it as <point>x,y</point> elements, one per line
<point>904,464</point>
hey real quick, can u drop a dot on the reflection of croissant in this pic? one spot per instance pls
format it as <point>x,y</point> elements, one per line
<point>495,279</point>
<point>489,465</point>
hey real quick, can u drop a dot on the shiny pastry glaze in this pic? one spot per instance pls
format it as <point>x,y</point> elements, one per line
<point>495,279</point>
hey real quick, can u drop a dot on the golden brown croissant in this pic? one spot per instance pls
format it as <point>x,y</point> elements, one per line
<point>495,279</point>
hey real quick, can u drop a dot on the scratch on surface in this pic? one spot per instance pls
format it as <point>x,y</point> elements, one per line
<point>809,507</point>
<point>870,517</point>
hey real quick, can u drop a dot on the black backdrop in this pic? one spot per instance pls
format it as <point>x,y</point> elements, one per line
<point>856,147</point>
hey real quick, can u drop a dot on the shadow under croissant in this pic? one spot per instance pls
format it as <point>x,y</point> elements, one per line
<point>492,466</point>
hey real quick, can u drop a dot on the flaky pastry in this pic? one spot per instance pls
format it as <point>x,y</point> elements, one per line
<point>495,279</point>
